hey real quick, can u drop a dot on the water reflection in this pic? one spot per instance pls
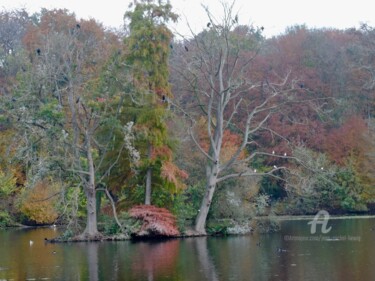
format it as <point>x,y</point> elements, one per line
<point>232,258</point>
<point>205,259</point>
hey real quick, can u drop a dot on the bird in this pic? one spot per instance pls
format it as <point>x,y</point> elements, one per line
<point>274,166</point>
<point>163,98</point>
<point>284,153</point>
<point>262,28</point>
<point>171,46</point>
<point>38,51</point>
<point>255,170</point>
<point>301,86</point>
<point>208,24</point>
<point>78,26</point>
<point>31,242</point>
<point>273,151</point>
<point>321,168</point>
<point>186,49</point>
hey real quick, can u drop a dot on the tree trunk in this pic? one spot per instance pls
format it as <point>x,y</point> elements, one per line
<point>148,179</point>
<point>200,221</point>
<point>91,231</point>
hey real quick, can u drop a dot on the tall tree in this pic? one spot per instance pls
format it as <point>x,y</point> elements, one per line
<point>61,101</point>
<point>149,47</point>
<point>218,68</point>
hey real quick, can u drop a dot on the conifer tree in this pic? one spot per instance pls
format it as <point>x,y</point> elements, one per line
<point>148,51</point>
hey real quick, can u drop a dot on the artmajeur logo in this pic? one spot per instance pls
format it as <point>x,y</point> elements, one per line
<point>322,217</point>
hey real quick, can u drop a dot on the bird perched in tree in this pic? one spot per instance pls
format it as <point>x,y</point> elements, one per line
<point>163,98</point>
<point>38,51</point>
<point>262,28</point>
<point>273,152</point>
<point>208,24</point>
<point>186,49</point>
<point>78,26</point>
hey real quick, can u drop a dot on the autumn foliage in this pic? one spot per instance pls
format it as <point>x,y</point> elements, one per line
<point>156,221</point>
<point>37,205</point>
<point>347,140</point>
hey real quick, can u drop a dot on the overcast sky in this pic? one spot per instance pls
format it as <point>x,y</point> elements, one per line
<point>273,15</point>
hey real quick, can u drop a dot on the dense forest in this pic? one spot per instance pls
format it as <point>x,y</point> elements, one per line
<point>112,132</point>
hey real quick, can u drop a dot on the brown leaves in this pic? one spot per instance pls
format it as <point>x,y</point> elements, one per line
<point>346,140</point>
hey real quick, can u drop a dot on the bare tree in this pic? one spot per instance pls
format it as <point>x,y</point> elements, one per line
<point>218,68</point>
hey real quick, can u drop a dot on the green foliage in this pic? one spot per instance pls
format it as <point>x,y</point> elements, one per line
<point>219,227</point>
<point>186,205</point>
<point>110,227</point>
<point>5,219</point>
<point>324,185</point>
<point>149,44</point>
<point>50,113</point>
<point>7,184</point>
<point>272,187</point>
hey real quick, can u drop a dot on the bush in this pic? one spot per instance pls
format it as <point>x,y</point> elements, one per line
<point>110,226</point>
<point>155,221</point>
<point>219,227</point>
<point>5,219</point>
<point>186,205</point>
<point>36,205</point>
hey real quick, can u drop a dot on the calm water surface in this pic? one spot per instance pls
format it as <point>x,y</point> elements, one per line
<point>346,253</point>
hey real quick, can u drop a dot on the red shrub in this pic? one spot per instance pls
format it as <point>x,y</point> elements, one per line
<point>156,221</point>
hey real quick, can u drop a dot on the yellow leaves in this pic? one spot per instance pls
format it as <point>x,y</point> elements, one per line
<point>38,205</point>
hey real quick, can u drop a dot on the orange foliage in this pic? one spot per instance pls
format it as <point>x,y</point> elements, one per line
<point>169,171</point>
<point>172,173</point>
<point>161,151</point>
<point>156,221</point>
<point>231,142</point>
<point>36,207</point>
<point>346,141</point>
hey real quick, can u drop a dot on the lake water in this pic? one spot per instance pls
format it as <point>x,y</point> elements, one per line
<point>346,253</point>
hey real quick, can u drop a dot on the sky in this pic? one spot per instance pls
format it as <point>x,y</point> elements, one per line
<point>274,15</point>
